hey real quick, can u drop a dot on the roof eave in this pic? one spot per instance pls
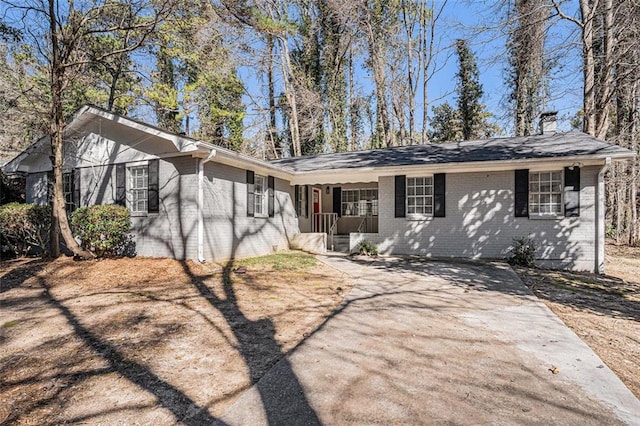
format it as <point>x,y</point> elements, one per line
<point>235,159</point>
<point>368,174</point>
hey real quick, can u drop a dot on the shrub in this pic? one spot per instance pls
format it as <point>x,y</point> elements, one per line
<point>104,230</point>
<point>366,248</point>
<point>610,231</point>
<point>25,227</point>
<point>523,252</point>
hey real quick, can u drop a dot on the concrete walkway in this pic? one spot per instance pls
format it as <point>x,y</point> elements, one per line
<point>427,342</point>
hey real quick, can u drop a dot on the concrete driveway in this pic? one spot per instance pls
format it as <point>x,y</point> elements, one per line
<point>424,342</point>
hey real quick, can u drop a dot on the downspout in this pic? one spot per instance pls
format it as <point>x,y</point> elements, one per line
<point>600,220</point>
<point>201,163</point>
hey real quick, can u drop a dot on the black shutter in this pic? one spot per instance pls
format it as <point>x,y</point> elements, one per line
<point>250,197</point>
<point>337,200</point>
<point>522,193</point>
<point>439,190</point>
<point>121,185</point>
<point>271,186</point>
<point>306,205</point>
<point>153,194</point>
<point>401,195</point>
<point>75,177</point>
<point>296,195</point>
<point>572,192</point>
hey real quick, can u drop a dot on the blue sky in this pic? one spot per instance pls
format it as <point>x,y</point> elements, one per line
<point>461,19</point>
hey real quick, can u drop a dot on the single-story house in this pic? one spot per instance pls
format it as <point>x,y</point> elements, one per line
<point>190,199</point>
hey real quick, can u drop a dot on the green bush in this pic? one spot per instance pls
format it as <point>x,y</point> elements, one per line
<point>610,231</point>
<point>366,248</point>
<point>104,230</point>
<point>24,228</point>
<point>523,252</point>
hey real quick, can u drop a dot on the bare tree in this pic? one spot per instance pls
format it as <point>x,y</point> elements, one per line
<point>611,66</point>
<point>379,20</point>
<point>596,33</point>
<point>526,45</point>
<point>59,44</point>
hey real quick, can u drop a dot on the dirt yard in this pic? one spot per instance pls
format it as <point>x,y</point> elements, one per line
<point>148,341</point>
<point>603,310</point>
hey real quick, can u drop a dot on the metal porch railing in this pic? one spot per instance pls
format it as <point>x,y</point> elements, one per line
<point>326,223</point>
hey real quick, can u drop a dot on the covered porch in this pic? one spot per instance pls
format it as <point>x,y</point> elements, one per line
<point>337,210</point>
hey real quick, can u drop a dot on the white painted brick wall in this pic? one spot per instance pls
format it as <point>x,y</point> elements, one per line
<point>173,231</point>
<point>36,188</point>
<point>228,231</point>
<point>480,223</point>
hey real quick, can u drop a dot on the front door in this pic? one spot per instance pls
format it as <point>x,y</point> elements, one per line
<point>317,209</point>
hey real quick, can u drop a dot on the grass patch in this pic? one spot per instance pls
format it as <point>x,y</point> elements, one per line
<point>286,261</point>
<point>10,324</point>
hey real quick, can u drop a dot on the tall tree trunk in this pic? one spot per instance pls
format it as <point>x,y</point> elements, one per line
<point>587,12</point>
<point>526,61</point>
<point>353,108</point>
<point>374,30</point>
<point>428,24</point>
<point>409,16</point>
<point>382,111</point>
<point>59,220</point>
<point>605,87</point>
<point>290,95</point>
<point>54,130</point>
<point>272,134</point>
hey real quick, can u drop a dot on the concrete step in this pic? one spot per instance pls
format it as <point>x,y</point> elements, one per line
<point>341,243</point>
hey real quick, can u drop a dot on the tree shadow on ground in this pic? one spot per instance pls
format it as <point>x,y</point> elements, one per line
<point>458,272</point>
<point>167,396</point>
<point>260,350</point>
<point>16,276</point>
<point>602,294</point>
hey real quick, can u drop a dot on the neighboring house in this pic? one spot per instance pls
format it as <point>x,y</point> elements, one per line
<point>191,199</point>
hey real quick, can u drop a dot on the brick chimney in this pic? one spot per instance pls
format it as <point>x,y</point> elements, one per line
<point>548,122</point>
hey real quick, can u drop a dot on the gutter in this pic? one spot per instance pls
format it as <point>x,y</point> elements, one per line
<point>201,163</point>
<point>600,220</point>
<point>358,174</point>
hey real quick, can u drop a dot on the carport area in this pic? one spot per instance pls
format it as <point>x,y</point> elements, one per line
<point>424,342</point>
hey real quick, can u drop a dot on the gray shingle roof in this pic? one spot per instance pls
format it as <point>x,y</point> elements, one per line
<point>556,145</point>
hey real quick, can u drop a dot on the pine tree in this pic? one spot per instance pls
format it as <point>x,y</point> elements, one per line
<point>469,90</point>
<point>473,116</point>
<point>445,124</point>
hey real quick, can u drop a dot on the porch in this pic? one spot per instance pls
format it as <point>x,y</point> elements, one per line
<point>338,211</point>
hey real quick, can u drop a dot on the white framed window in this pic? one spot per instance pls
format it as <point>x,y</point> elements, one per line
<point>260,195</point>
<point>545,193</point>
<point>138,189</point>
<point>350,206</point>
<point>420,196</point>
<point>67,189</point>
<point>360,202</point>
